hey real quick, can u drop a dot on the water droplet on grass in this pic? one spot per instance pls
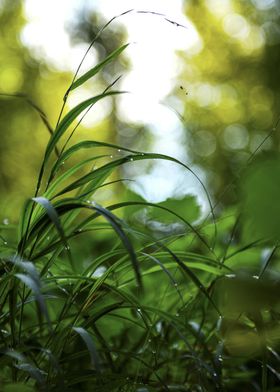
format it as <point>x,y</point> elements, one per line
<point>230,276</point>
<point>6,221</point>
<point>99,271</point>
<point>159,326</point>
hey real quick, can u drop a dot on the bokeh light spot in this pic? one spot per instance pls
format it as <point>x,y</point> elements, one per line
<point>10,80</point>
<point>204,143</point>
<point>236,26</point>
<point>236,136</point>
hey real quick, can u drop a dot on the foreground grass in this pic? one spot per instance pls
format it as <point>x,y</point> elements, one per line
<point>95,298</point>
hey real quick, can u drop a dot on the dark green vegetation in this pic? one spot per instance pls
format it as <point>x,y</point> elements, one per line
<point>135,296</point>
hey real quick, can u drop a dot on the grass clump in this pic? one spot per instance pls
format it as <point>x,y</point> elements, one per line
<point>93,299</point>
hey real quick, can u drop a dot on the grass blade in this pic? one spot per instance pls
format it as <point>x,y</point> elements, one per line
<point>81,80</point>
<point>90,346</point>
<point>70,117</point>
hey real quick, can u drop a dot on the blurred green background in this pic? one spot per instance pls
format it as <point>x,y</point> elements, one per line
<point>225,92</point>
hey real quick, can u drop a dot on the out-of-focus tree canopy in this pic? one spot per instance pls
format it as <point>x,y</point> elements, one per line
<point>24,73</point>
<point>233,85</point>
<point>23,135</point>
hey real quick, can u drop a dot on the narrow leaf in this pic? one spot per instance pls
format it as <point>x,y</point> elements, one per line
<point>97,68</point>
<point>90,346</point>
<point>69,118</point>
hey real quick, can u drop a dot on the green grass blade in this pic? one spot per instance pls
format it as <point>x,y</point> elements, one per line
<point>109,167</point>
<point>70,117</point>
<point>81,80</point>
<point>90,346</point>
<point>54,217</point>
<point>86,144</point>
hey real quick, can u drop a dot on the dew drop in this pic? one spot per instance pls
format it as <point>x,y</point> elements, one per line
<point>177,315</point>
<point>149,340</point>
<point>219,323</point>
<point>62,163</point>
<point>48,238</point>
<point>111,156</point>
<point>131,159</point>
<point>256,277</point>
<point>176,284</point>
<point>6,221</point>
<point>154,352</point>
<point>67,247</point>
<point>5,243</point>
<point>119,150</point>
<point>159,327</point>
<point>138,310</point>
<point>88,201</point>
<point>230,276</point>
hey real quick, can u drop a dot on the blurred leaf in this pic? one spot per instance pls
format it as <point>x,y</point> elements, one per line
<point>242,341</point>
<point>16,387</point>
<point>186,207</point>
<point>243,292</point>
<point>260,195</point>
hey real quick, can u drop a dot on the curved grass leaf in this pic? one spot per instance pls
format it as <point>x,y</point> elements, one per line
<point>35,286</point>
<point>54,217</point>
<point>52,214</point>
<point>64,206</point>
<point>90,346</point>
<point>131,158</point>
<point>84,145</point>
<point>50,191</point>
<point>70,117</point>
<point>24,365</point>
